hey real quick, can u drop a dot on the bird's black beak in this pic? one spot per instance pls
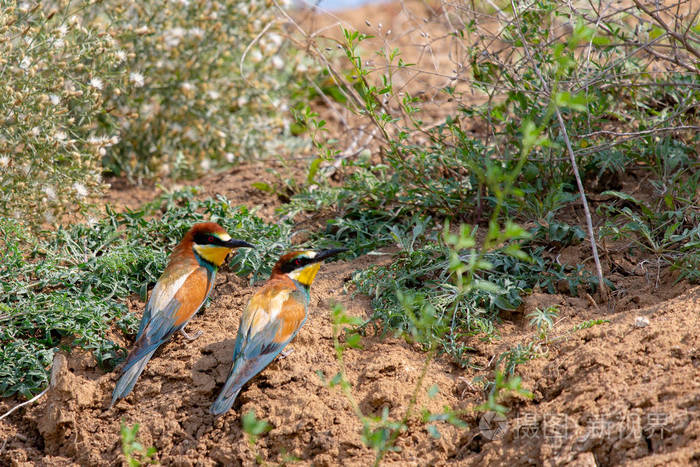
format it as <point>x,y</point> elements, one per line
<point>238,244</point>
<point>323,254</point>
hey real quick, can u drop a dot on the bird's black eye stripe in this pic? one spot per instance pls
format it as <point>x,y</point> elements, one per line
<point>294,264</point>
<point>205,239</point>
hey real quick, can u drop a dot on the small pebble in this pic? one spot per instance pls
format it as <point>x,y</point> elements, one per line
<point>641,322</point>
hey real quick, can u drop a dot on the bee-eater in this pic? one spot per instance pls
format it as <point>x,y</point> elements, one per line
<point>271,320</point>
<point>180,292</point>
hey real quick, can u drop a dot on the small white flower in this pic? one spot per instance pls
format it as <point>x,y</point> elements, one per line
<point>213,94</point>
<point>96,83</point>
<point>35,131</point>
<point>50,192</point>
<point>62,30</point>
<point>59,43</point>
<point>120,55</point>
<point>277,62</point>
<point>230,157</point>
<point>25,63</point>
<point>24,7</point>
<point>136,78</point>
<point>91,221</point>
<point>206,163</point>
<point>4,161</point>
<point>256,56</point>
<point>302,68</point>
<point>55,100</point>
<point>80,189</point>
<point>196,33</point>
<point>188,87</point>
<point>242,101</point>
<point>60,135</point>
<point>275,39</point>
<point>173,36</point>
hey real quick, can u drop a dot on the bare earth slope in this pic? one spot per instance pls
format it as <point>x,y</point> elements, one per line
<point>612,394</point>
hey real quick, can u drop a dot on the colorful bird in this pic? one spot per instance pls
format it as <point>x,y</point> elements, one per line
<point>272,319</point>
<point>179,293</point>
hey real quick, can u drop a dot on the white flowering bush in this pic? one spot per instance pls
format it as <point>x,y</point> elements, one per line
<point>208,83</point>
<point>141,88</point>
<point>54,71</point>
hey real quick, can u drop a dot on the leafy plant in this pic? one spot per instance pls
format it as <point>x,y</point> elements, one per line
<point>253,428</point>
<point>69,290</point>
<point>56,69</point>
<point>134,452</point>
<point>543,320</point>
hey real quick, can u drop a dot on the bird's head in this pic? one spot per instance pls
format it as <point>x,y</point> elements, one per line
<point>212,243</point>
<point>302,266</point>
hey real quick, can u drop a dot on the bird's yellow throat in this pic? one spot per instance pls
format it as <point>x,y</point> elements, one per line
<point>307,275</point>
<point>212,253</point>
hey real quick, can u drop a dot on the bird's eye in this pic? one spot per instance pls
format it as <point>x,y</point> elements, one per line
<point>297,262</point>
<point>210,239</point>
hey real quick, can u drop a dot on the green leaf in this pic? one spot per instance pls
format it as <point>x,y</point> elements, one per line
<point>432,392</point>
<point>262,186</point>
<point>432,429</point>
<point>313,169</point>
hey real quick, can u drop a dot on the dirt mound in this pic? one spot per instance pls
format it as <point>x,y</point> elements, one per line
<point>171,400</point>
<point>624,392</point>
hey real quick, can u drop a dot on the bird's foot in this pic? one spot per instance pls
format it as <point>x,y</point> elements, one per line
<point>286,352</point>
<point>193,336</point>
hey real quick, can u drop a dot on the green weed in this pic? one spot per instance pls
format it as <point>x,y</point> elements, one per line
<point>69,290</point>
<point>134,452</point>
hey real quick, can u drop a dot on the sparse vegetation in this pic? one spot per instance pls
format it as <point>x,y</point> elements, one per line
<point>558,155</point>
<point>69,291</point>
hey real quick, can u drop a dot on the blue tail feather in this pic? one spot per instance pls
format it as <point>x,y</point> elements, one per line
<point>129,377</point>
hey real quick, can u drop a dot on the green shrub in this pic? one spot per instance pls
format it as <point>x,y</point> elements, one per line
<point>54,70</point>
<point>191,99</point>
<point>69,290</point>
<point>144,89</point>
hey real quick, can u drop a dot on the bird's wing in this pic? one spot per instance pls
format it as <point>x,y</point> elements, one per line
<point>271,320</point>
<point>162,294</point>
<point>173,302</point>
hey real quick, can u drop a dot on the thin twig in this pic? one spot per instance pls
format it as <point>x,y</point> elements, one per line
<point>574,166</point>
<point>33,399</point>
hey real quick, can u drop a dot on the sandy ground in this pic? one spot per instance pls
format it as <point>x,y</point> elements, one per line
<point>623,392</point>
